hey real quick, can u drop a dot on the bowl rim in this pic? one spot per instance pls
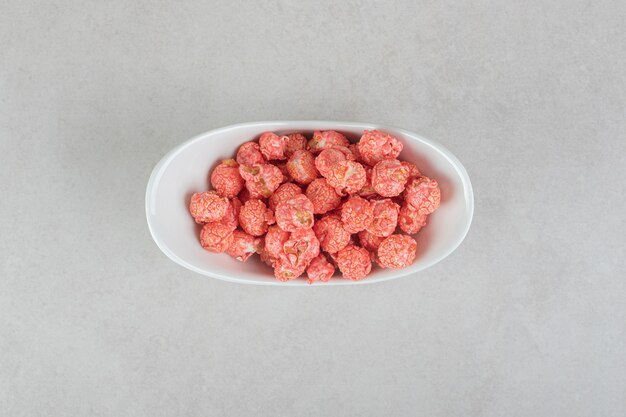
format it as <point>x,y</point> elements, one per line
<point>159,169</point>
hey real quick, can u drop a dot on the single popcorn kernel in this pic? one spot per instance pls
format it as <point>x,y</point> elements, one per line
<point>354,262</point>
<point>323,196</point>
<point>326,139</point>
<point>301,247</point>
<point>273,146</point>
<point>249,154</point>
<point>231,218</point>
<point>255,217</point>
<point>283,193</point>
<point>330,156</point>
<point>410,219</point>
<point>356,214</point>
<point>207,207</point>
<point>375,146</point>
<point>284,271</point>
<point>320,270</point>
<point>294,214</point>
<point>346,177</point>
<point>301,167</point>
<point>275,239</point>
<point>226,180</point>
<point>385,217</point>
<point>244,245</point>
<point>294,142</point>
<point>216,236</point>
<point>397,251</point>
<point>389,177</point>
<point>261,180</point>
<point>412,168</point>
<point>423,194</point>
<point>369,241</point>
<point>331,233</point>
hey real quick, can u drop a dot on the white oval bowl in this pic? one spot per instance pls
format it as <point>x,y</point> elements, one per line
<point>184,170</point>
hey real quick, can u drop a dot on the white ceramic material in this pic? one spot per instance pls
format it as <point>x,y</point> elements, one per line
<point>184,170</point>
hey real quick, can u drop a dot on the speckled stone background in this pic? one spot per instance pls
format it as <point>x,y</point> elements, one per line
<point>526,318</point>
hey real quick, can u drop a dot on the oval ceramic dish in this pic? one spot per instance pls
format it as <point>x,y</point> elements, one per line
<point>185,170</point>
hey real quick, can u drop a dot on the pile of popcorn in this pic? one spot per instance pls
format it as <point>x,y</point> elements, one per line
<point>314,205</point>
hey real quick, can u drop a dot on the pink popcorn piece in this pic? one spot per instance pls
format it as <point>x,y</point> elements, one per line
<point>397,251</point>
<point>367,190</point>
<point>330,156</point>
<point>255,217</point>
<point>320,270</point>
<point>207,207</point>
<point>300,249</point>
<point>356,214</point>
<point>326,139</point>
<point>216,236</point>
<point>354,262</point>
<point>294,214</point>
<point>261,180</point>
<point>410,219</point>
<point>346,177</point>
<point>385,217</point>
<point>301,167</point>
<point>424,194</point>
<point>323,196</point>
<point>331,233</point>
<point>389,177</point>
<point>285,192</point>
<point>226,180</point>
<point>294,142</point>
<point>369,241</point>
<point>244,245</point>
<point>354,149</point>
<point>374,146</point>
<point>231,218</point>
<point>284,271</point>
<point>414,172</point>
<point>275,239</point>
<point>249,154</point>
<point>273,146</point>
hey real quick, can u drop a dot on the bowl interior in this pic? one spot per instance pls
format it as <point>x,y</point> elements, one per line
<point>185,170</point>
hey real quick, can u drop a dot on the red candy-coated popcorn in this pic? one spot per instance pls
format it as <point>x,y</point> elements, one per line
<point>369,241</point>
<point>244,245</point>
<point>231,217</point>
<point>410,219</point>
<point>275,239</point>
<point>294,142</point>
<point>385,217</point>
<point>216,236</point>
<point>323,196</point>
<point>331,233</point>
<point>283,169</point>
<point>255,217</point>
<point>273,146</point>
<point>356,214</point>
<point>375,146</point>
<point>389,177</point>
<point>301,247</point>
<point>367,190</point>
<point>284,271</point>
<point>283,193</point>
<point>320,269</point>
<point>226,180</point>
<point>207,207</point>
<point>326,139</point>
<point>250,154</point>
<point>261,180</point>
<point>423,194</point>
<point>294,214</point>
<point>414,172</point>
<point>397,251</point>
<point>301,167</point>
<point>347,177</point>
<point>354,149</point>
<point>354,262</point>
<point>330,156</point>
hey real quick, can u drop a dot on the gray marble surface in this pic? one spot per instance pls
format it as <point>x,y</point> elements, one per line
<point>526,318</point>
